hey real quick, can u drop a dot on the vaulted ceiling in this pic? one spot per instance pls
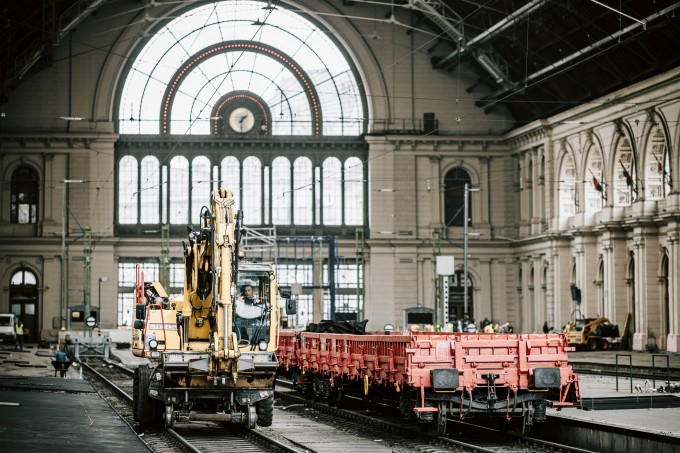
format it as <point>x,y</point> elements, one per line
<point>538,57</point>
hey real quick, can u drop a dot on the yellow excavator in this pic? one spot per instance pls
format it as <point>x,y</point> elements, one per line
<point>592,333</point>
<point>211,350</point>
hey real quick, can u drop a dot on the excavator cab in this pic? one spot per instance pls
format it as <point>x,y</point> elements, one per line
<point>253,306</point>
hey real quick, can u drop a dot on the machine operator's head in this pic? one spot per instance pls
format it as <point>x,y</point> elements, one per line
<point>248,292</point>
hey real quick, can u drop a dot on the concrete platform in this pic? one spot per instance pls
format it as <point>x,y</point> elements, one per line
<point>40,412</point>
<point>653,420</point>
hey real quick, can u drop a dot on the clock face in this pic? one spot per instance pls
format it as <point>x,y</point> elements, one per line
<point>241,120</point>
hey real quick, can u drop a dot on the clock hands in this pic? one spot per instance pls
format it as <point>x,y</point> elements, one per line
<point>241,121</point>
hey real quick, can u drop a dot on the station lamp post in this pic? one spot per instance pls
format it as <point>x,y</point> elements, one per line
<point>64,251</point>
<point>99,308</point>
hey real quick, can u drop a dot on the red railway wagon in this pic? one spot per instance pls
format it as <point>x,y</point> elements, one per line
<point>435,375</point>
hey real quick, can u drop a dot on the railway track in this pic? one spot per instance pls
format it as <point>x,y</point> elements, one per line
<point>115,383</point>
<point>302,425</point>
<point>460,437</point>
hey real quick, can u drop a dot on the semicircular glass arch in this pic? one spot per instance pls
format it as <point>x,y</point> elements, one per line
<point>305,60</point>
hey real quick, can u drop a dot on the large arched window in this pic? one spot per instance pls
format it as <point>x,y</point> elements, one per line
<point>250,69</point>
<point>204,101</point>
<point>24,196</point>
<point>454,197</point>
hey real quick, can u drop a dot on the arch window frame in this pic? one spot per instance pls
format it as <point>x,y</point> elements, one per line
<point>24,195</point>
<point>454,197</point>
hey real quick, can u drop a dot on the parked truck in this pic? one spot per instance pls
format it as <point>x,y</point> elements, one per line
<point>212,350</point>
<point>592,333</point>
<point>7,329</point>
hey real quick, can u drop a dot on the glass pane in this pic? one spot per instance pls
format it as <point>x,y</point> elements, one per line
<point>252,191</point>
<point>127,190</point>
<point>230,178</point>
<point>332,191</point>
<point>17,278</point>
<point>281,194</point>
<point>200,187</point>
<point>594,185</point>
<point>29,278</point>
<point>354,191</point>
<point>567,188</point>
<point>179,190</point>
<point>150,193</point>
<point>303,191</point>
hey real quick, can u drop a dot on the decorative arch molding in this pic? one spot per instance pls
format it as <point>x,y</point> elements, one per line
<point>14,164</point>
<point>472,171</point>
<point>594,178</point>
<point>623,175</point>
<point>656,167</point>
<point>195,60</point>
<point>567,198</point>
<point>15,267</point>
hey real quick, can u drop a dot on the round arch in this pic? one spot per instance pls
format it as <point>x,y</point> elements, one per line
<point>655,157</point>
<point>594,178</point>
<point>172,43</point>
<point>566,192</point>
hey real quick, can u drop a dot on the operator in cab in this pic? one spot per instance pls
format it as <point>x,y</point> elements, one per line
<point>248,305</point>
<point>249,311</point>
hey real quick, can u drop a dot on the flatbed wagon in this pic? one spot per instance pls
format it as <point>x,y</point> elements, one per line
<point>435,375</point>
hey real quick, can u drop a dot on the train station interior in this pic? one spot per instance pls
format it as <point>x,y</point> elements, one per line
<point>366,142</point>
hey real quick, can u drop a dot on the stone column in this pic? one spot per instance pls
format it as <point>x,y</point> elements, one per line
<point>640,335</point>
<point>673,339</point>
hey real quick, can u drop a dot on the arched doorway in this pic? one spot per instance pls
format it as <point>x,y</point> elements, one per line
<point>23,301</point>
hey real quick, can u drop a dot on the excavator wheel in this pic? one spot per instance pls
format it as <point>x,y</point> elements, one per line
<point>591,345</point>
<point>149,411</point>
<point>265,411</point>
<point>603,344</point>
<point>251,416</point>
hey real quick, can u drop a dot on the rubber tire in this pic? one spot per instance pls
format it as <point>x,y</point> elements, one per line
<point>149,410</point>
<point>135,394</point>
<point>265,411</point>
